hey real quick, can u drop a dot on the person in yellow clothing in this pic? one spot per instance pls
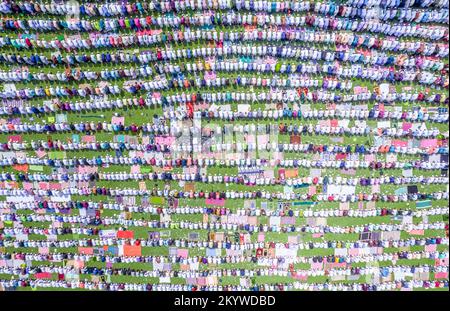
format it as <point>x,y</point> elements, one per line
<point>277,67</point>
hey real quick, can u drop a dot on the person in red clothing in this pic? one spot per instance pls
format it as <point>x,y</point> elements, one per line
<point>28,42</point>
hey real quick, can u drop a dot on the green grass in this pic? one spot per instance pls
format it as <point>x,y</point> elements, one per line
<point>138,116</point>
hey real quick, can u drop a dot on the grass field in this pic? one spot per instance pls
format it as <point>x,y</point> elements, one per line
<point>139,116</point>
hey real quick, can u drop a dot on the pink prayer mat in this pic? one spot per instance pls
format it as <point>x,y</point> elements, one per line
<point>417,232</point>
<point>430,248</point>
<point>43,275</point>
<point>183,253</point>
<point>441,275</point>
<point>219,202</point>
<point>161,140</point>
<point>88,139</point>
<point>425,143</point>
<point>399,143</point>
<point>118,120</point>
<point>406,126</point>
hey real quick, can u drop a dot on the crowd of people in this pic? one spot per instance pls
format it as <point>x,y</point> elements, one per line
<point>224,145</point>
